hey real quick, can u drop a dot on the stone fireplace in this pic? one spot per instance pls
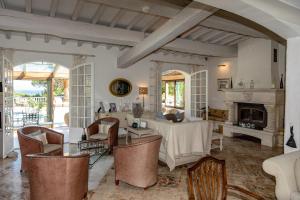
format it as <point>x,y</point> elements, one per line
<point>255,112</point>
<point>252,115</point>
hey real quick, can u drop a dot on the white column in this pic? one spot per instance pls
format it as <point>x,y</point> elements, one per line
<point>292,109</point>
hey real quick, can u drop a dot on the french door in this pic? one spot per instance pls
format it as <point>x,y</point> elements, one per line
<point>6,126</point>
<point>81,95</point>
<point>199,94</point>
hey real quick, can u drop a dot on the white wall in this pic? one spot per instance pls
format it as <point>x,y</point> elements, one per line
<point>215,97</point>
<point>292,109</point>
<point>255,62</point>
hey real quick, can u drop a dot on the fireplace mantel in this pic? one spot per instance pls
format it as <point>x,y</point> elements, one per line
<point>273,101</point>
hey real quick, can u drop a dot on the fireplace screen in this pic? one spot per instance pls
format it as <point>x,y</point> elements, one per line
<point>252,116</point>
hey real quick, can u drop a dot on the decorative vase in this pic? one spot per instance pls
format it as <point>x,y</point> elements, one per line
<point>281,82</point>
<point>137,110</point>
<point>83,136</point>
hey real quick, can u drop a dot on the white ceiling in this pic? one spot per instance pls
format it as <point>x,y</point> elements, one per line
<point>214,30</point>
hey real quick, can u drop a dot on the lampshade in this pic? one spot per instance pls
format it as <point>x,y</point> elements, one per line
<point>143,90</point>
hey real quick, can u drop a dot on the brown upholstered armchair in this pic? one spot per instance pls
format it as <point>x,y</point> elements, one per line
<point>137,163</point>
<point>29,145</point>
<point>58,177</point>
<point>112,139</point>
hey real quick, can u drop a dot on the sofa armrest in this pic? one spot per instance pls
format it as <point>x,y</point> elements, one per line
<point>282,167</point>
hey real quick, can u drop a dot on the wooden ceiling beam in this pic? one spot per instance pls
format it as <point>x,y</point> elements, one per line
<point>2,4</point>
<point>230,39</point>
<point>156,8</point>
<point>79,5</point>
<point>98,14</point>
<point>226,35</point>
<point>210,36</point>
<point>53,8</point>
<point>199,33</point>
<point>237,41</point>
<point>28,6</point>
<point>117,17</point>
<point>135,20</point>
<point>189,17</point>
<point>150,24</point>
<point>189,32</point>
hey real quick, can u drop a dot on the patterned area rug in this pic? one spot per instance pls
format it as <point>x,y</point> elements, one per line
<point>244,168</point>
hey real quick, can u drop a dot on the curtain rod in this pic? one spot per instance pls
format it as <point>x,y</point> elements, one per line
<point>49,52</point>
<point>176,62</point>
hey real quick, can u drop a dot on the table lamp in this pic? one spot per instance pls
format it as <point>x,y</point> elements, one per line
<point>143,91</point>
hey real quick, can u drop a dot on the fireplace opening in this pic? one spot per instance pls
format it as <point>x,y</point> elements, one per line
<point>252,116</point>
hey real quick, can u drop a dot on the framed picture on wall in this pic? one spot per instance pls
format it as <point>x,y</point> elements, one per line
<point>223,83</point>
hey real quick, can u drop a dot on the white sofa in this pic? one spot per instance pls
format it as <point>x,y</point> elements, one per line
<point>282,167</point>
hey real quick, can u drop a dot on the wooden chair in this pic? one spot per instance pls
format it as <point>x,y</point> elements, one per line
<point>207,181</point>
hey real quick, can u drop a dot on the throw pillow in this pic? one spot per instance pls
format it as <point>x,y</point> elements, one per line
<point>35,133</point>
<point>297,173</point>
<point>104,128</point>
<point>41,137</point>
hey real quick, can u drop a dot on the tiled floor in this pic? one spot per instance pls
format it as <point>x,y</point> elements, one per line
<point>243,160</point>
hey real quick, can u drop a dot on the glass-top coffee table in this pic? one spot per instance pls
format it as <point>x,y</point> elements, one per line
<point>95,148</point>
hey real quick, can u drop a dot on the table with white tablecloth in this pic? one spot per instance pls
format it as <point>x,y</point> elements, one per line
<point>183,142</point>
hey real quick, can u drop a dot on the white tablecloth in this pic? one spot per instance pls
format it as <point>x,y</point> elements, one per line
<point>181,139</point>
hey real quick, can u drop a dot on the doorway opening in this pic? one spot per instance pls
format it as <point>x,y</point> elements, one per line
<point>173,91</point>
<point>41,95</point>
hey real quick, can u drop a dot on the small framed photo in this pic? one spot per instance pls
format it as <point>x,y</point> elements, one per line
<point>113,107</point>
<point>223,83</point>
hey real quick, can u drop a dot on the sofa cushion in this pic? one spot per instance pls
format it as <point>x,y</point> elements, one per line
<point>297,173</point>
<point>51,147</point>
<point>99,136</point>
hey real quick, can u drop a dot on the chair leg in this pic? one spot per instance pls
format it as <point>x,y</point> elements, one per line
<point>117,182</point>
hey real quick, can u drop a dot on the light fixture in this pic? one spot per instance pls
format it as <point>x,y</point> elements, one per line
<point>143,91</point>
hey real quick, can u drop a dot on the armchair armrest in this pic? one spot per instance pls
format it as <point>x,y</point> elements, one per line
<point>92,129</point>
<point>282,167</point>
<point>30,145</point>
<point>54,137</point>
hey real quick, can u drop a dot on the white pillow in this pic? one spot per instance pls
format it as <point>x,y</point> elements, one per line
<point>297,172</point>
<point>104,128</point>
<point>41,137</point>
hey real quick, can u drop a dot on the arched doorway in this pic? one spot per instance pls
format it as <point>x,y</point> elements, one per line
<point>41,94</point>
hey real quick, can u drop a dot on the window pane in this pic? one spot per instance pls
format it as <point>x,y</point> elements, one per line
<point>163,92</point>
<point>179,94</point>
<point>170,93</point>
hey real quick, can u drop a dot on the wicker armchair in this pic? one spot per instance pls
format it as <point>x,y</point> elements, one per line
<point>58,177</point>
<point>112,139</point>
<point>29,145</point>
<point>207,181</point>
<point>137,163</point>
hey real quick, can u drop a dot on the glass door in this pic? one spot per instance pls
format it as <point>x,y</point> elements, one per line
<point>199,94</point>
<point>81,95</point>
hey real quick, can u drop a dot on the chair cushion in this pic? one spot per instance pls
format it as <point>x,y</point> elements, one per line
<point>38,135</point>
<point>99,136</point>
<point>297,173</point>
<point>104,128</point>
<point>51,147</point>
